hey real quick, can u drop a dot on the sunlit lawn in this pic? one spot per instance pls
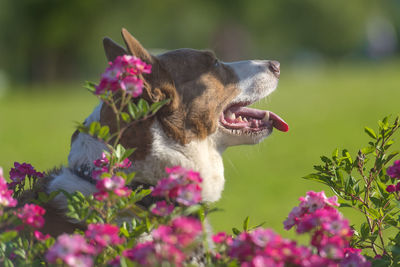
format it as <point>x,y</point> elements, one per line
<point>325,107</point>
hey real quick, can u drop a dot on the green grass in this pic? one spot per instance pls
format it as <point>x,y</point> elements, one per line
<point>326,107</point>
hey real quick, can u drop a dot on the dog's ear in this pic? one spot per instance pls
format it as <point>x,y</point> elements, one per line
<point>135,48</point>
<point>113,49</point>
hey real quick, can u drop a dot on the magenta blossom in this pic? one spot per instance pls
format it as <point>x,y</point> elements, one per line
<point>115,184</point>
<point>124,73</point>
<point>32,215</point>
<point>162,208</point>
<point>181,185</point>
<point>152,254</point>
<point>181,232</point>
<point>352,257</point>
<point>6,198</point>
<point>394,170</point>
<point>72,250</point>
<point>391,188</point>
<point>102,235</point>
<point>40,236</point>
<point>102,162</point>
<point>263,247</point>
<point>20,171</point>
<point>221,238</point>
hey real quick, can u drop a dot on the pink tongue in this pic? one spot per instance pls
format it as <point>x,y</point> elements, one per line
<point>279,124</point>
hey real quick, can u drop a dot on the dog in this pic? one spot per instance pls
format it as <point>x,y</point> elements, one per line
<point>207,113</point>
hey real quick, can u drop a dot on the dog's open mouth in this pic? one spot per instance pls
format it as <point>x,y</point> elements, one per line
<point>240,117</point>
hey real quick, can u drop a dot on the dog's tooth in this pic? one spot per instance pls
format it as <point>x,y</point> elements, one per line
<point>231,116</point>
<point>266,117</point>
<point>240,118</point>
<point>244,119</point>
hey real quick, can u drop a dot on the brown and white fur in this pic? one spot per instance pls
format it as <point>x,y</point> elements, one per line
<point>191,131</point>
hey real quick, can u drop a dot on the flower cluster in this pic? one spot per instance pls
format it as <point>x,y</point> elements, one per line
<point>182,186</point>
<point>115,184</point>
<point>169,243</point>
<point>263,247</point>
<point>6,199</point>
<point>394,172</point>
<point>103,235</point>
<point>124,74</point>
<point>330,231</point>
<point>21,171</point>
<point>72,250</point>
<point>32,215</point>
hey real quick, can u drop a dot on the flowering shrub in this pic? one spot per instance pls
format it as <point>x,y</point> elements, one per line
<point>366,184</point>
<point>122,232</point>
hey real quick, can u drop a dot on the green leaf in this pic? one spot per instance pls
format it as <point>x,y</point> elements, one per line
<point>157,105</point>
<point>125,117</point>
<point>103,133</point>
<point>143,106</point>
<point>133,110</point>
<point>364,230</point>
<point>124,231</point>
<point>335,153</point>
<point>119,151</point>
<point>246,224</point>
<point>235,231</point>
<point>373,213</point>
<point>391,156</point>
<point>8,236</point>
<point>127,153</point>
<point>91,86</point>
<point>368,150</point>
<point>94,128</point>
<point>8,263</point>
<point>370,132</point>
<point>344,204</point>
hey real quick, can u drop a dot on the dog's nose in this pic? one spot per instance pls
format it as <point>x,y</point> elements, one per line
<point>275,67</point>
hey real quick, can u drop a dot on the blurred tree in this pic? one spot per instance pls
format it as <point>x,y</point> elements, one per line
<point>47,40</point>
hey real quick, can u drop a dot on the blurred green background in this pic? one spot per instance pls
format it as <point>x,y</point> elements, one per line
<point>340,71</point>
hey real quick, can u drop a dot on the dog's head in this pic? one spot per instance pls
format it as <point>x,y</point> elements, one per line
<point>208,97</point>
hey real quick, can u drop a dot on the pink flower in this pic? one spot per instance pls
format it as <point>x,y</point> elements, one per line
<point>391,188</point>
<point>177,172</point>
<point>263,246</point>
<point>189,194</point>
<point>222,237</point>
<point>186,229</point>
<point>40,236</point>
<point>293,217</point>
<point>115,184</point>
<point>116,262</point>
<point>32,215</point>
<point>124,74</point>
<point>394,170</point>
<point>72,250</point>
<point>20,171</point>
<point>143,253</point>
<point>6,198</point>
<point>153,254</point>
<point>181,232</point>
<point>132,85</point>
<point>101,162</point>
<point>182,186</point>
<point>126,163</point>
<point>317,200</point>
<point>102,235</point>
<point>162,208</point>
<point>100,196</point>
<point>352,257</point>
